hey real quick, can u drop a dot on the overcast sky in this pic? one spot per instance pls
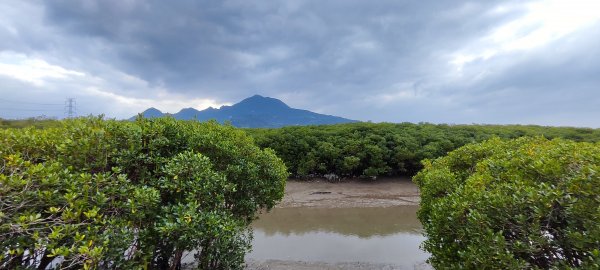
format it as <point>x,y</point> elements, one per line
<point>525,62</point>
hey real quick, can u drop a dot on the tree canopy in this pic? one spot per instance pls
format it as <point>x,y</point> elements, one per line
<point>96,193</point>
<point>385,149</point>
<point>528,203</point>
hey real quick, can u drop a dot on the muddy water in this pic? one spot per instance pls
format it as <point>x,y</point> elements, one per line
<point>376,235</point>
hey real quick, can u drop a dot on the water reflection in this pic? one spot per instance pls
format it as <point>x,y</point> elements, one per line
<point>380,235</point>
<point>361,222</point>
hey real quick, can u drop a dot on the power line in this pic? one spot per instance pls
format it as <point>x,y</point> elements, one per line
<point>33,110</point>
<point>70,106</point>
<point>32,103</point>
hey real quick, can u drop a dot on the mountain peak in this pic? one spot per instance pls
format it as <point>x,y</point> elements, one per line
<point>187,113</point>
<point>152,110</point>
<point>150,113</point>
<point>261,102</point>
<point>188,110</point>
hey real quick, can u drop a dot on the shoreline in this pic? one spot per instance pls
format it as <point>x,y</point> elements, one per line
<point>350,193</point>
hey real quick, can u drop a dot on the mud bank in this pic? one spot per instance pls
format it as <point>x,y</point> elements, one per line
<point>350,193</point>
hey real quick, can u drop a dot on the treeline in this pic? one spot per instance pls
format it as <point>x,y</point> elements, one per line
<point>385,149</point>
<point>102,194</point>
<point>36,122</point>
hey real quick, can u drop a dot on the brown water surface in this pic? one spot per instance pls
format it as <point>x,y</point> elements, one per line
<point>374,234</point>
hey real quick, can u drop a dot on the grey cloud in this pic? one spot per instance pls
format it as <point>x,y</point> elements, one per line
<point>187,44</point>
<point>381,61</point>
<point>555,85</point>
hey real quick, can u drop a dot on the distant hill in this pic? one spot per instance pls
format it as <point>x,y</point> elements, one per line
<point>254,112</point>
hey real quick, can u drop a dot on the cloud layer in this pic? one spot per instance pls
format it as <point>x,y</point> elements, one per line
<point>434,61</point>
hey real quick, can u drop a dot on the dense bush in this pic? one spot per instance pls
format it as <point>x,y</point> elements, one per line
<point>94,193</point>
<point>37,122</point>
<point>370,150</point>
<point>529,203</point>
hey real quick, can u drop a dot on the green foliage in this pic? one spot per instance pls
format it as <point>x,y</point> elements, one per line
<point>370,150</point>
<point>529,203</point>
<point>109,194</point>
<point>36,122</point>
<point>48,210</point>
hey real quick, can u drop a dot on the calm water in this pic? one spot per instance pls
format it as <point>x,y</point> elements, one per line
<point>377,235</point>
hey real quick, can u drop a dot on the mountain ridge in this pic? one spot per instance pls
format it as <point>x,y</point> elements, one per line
<point>253,112</point>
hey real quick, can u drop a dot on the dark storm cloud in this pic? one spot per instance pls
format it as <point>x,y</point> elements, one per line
<point>274,47</point>
<point>382,61</point>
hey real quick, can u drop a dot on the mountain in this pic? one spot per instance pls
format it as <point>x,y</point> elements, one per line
<point>152,113</point>
<point>253,112</point>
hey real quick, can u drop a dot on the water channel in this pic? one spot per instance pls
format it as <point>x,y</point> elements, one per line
<point>390,235</point>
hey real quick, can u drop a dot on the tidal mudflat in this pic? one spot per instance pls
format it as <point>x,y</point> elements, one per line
<point>347,225</point>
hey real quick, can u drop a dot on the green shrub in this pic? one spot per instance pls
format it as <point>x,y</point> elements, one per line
<point>529,203</point>
<point>36,122</point>
<point>120,195</point>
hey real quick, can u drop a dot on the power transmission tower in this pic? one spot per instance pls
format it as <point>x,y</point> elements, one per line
<point>70,107</point>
